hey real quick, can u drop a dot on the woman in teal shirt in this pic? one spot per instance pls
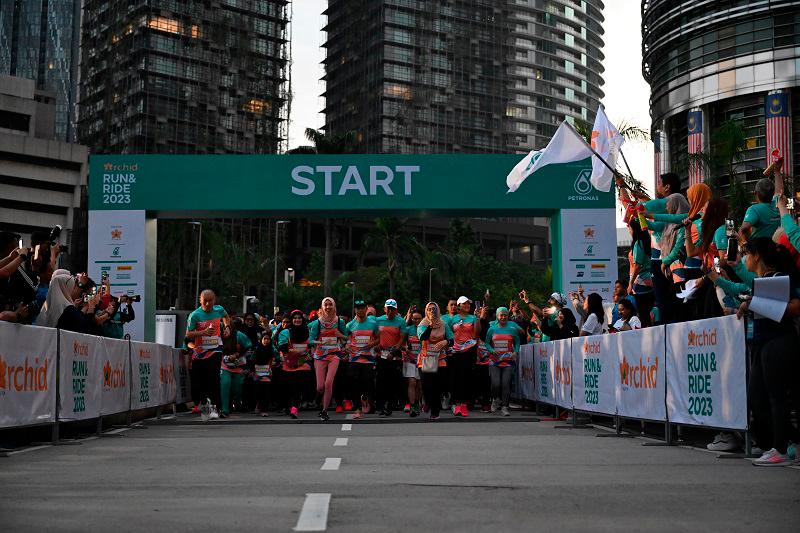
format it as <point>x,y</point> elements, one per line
<point>641,284</point>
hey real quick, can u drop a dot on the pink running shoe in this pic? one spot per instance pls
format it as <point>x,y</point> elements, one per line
<point>464,410</point>
<point>293,412</point>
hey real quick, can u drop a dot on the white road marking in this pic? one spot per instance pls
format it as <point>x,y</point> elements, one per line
<point>331,463</point>
<point>314,515</point>
<point>31,449</point>
<point>341,441</point>
<point>347,427</point>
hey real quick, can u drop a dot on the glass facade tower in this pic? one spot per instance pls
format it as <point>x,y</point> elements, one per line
<point>39,40</point>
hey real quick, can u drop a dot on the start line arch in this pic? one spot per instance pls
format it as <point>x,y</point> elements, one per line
<point>128,193</point>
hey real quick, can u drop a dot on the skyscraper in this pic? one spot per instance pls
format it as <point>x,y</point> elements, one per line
<point>472,76</point>
<point>39,40</point>
<point>170,76</point>
<point>713,63</point>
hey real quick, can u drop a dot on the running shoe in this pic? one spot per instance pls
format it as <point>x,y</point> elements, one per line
<point>425,408</point>
<point>384,412</point>
<point>339,409</point>
<point>223,414</point>
<point>434,418</point>
<point>495,406</point>
<point>214,414</point>
<point>504,411</point>
<point>414,411</point>
<point>348,405</point>
<point>725,442</point>
<point>791,451</point>
<point>457,410</point>
<point>464,410</point>
<point>407,408</point>
<point>357,415</point>
<point>445,403</point>
<point>293,412</point>
<point>772,458</point>
<point>264,414</point>
<point>196,410</point>
<point>323,415</point>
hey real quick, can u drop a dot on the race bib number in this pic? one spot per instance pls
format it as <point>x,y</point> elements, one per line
<point>362,340</point>
<point>299,349</point>
<point>501,346</point>
<point>262,370</point>
<point>210,342</point>
<point>329,342</point>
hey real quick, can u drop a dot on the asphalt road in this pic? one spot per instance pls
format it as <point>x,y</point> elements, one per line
<point>460,476</point>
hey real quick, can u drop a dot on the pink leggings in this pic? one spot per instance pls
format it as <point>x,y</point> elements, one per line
<point>326,372</point>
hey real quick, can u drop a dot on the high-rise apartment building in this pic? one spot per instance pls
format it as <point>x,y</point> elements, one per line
<point>473,76</point>
<point>40,41</point>
<point>184,76</point>
<point>715,62</point>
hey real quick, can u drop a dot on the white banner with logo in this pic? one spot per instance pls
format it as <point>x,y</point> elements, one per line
<point>183,389</point>
<point>166,374</point>
<point>145,386</point>
<point>561,367</point>
<point>593,376</point>
<point>116,394</point>
<point>707,373</point>
<point>81,375</point>
<point>117,247</point>
<point>543,391</point>
<point>641,374</point>
<point>27,375</point>
<point>526,372</point>
<point>588,245</point>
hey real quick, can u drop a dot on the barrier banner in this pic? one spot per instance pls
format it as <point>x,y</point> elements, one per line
<point>166,374</point>
<point>640,381</point>
<point>561,367</point>
<point>81,375</point>
<point>116,393</point>
<point>145,387</point>
<point>526,371</point>
<point>543,389</point>
<point>593,383</point>
<point>27,375</point>
<point>183,390</point>
<point>706,373</point>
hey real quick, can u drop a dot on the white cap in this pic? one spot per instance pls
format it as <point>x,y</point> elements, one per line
<point>462,300</point>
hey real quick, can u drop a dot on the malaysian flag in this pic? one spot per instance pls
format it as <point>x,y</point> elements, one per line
<point>695,126</point>
<point>779,127</point>
<point>656,158</point>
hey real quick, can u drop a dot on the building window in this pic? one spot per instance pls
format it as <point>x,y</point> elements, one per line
<point>164,24</point>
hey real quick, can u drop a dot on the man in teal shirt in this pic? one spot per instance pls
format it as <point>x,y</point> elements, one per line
<point>762,218</point>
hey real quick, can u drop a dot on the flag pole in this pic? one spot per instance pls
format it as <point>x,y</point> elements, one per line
<point>626,162</point>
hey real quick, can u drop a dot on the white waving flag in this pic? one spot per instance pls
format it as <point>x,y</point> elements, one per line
<point>566,146</point>
<point>606,141</point>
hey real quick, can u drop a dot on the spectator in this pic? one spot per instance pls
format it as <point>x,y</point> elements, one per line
<point>564,327</point>
<point>628,319</point>
<point>762,218</point>
<point>116,316</point>
<point>641,275</point>
<point>593,305</point>
<point>64,304</point>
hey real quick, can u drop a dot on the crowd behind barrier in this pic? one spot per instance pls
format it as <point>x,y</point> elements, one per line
<point>691,373</point>
<point>49,375</point>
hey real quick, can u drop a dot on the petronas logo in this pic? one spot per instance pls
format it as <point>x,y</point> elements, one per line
<point>582,184</point>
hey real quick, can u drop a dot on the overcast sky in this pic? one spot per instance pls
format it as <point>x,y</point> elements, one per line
<point>626,99</point>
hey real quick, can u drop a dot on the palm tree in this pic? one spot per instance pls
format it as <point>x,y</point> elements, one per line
<point>323,143</point>
<point>388,236</point>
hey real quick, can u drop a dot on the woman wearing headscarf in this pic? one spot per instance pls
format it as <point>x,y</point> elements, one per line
<point>60,311</point>
<point>641,275</point>
<point>293,345</point>
<point>435,335</point>
<point>502,342</point>
<point>324,336</point>
<point>565,326</point>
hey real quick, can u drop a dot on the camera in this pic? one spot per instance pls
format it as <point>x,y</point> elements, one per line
<point>55,233</point>
<point>130,299</point>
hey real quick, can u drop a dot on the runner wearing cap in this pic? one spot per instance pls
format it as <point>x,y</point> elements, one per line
<point>503,342</point>
<point>466,329</point>
<point>324,335</point>
<point>293,345</point>
<point>392,337</point>
<point>363,333</point>
<point>410,357</point>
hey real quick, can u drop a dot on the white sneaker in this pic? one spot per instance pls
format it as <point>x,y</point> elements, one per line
<point>505,412</point>
<point>445,403</point>
<point>772,458</point>
<point>725,442</point>
<point>214,414</point>
<point>495,406</point>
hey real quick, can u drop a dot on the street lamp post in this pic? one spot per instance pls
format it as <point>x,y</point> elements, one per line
<point>352,285</point>
<point>199,227</point>
<point>430,283</point>
<point>275,275</point>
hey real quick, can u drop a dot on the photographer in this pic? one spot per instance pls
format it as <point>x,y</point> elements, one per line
<point>113,317</point>
<point>69,305</point>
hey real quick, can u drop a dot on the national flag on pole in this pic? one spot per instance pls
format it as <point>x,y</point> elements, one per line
<point>606,141</point>
<point>778,127</point>
<point>566,146</point>
<point>694,125</point>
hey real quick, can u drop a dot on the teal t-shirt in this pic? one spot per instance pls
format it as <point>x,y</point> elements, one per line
<point>721,238</point>
<point>643,260</point>
<point>764,218</point>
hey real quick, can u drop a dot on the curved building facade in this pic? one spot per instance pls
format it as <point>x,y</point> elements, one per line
<point>709,62</point>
